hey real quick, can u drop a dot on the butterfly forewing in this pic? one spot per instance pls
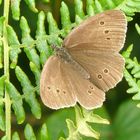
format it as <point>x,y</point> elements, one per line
<point>62,86</point>
<point>106,31</point>
<point>55,92</point>
<point>95,45</point>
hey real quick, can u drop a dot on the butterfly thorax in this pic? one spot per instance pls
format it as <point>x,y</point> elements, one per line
<point>65,56</point>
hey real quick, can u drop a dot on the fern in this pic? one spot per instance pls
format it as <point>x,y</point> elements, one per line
<point>83,117</point>
<point>137,28</point>
<point>37,50</point>
<point>133,77</point>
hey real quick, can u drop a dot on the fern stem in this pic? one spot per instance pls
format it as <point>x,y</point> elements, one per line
<point>6,70</point>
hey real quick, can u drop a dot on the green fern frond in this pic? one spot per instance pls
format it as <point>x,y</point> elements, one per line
<point>82,128</point>
<point>15,136</point>
<point>41,44</point>
<point>1,43</point>
<point>96,6</point>
<point>13,42</point>
<point>15,7</point>
<point>43,135</point>
<point>137,28</point>
<point>2,115</point>
<point>17,102</point>
<point>30,135</point>
<point>29,93</point>
<point>129,7</point>
<point>28,41</point>
<point>132,77</point>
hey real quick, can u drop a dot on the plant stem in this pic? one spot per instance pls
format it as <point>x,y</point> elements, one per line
<point>6,70</point>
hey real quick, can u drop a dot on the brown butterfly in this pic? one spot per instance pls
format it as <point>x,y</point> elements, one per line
<point>87,65</point>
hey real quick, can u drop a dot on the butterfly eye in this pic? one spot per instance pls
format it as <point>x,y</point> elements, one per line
<point>100,76</point>
<point>106,31</point>
<point>106,70</point>
<point>102,22</point>
<point>64,92</point>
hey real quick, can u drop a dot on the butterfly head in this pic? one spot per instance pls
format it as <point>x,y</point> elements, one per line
<point>61,52</point>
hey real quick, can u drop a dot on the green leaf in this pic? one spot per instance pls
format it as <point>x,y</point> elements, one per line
<point>42,44</point>
<point>36,72</point>
<point>1,25</point>
<point>1,44</point>
<point>131,78</point>
<point>1,54</point>
<point>73,133</point>
<point>61,135</point>
<point>17,103</point>
<point>129,7</point>
<point>134,86</point>
<point>127,122</point>
<point>78,20</point>
<point>89,7</point>
<point>29,133</point>
<point>29,43</point>
<point>65,20</point>
<point>79,8</point>
<point>0,2</point>
<point>93,118</point>
<point>46,1</point>
<point>15,7</point>
<point>14,46</point>
<point>61,138</point>
<point>104,130</point>
<point>44,133</point>
<point>31,4</point>
<point>82,120</point>
<point>56,122</point>
<point>110,4</point>
<point>137,28</point>
<point>29,93</point>
<point>2,114</point>
<point>2,80</point>
<point>4,138</point>
<point>15,136</point>
<point>54,31</point>
<point>53,27</point>
<point>98,7</point>
<point>65,16</point>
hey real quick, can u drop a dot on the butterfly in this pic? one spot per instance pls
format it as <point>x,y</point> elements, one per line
<point>87,65</point>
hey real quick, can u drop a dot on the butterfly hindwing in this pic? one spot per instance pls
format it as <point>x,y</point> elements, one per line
<point>62,86</point>
<point>105,70</point>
